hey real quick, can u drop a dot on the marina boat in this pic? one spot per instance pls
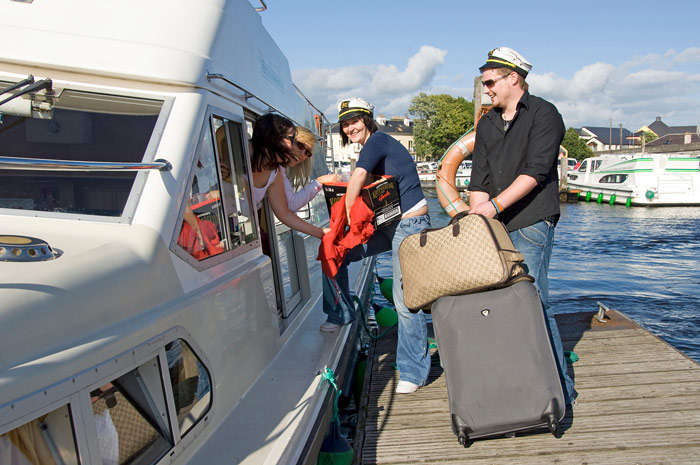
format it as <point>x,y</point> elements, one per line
<point>426,172</point>
<point>126,336</point>
<point>463,174</point>
<point>640,179</point>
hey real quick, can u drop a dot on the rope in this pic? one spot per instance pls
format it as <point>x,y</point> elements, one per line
<point>329,376</point>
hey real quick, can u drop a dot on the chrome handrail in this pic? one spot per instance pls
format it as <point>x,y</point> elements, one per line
<point>18,163</point>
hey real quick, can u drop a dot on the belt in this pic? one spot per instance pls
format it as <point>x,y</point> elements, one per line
<point>554,219</point>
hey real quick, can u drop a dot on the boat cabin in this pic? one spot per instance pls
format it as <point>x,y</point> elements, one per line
<point>152,313</point>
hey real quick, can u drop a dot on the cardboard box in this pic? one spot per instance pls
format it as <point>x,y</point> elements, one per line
<point>381,196</point>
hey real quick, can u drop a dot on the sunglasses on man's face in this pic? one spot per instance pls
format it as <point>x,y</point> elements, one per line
<point>492,82</point>
<point>304,149</point>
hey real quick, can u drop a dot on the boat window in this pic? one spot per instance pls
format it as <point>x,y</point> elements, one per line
<point>613,178</point>
<point>217,216</point>
<point>131,417</point>
<point>49,439</point>
<point>83,126</point>
<point>584,166</point>
<point>236,191</point>
<point>190,383</point>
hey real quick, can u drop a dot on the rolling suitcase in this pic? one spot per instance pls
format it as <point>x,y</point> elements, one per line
<point>499,365</point>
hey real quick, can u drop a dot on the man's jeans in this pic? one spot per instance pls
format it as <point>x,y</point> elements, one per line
<point>535,243</point>
<point>412,356</point>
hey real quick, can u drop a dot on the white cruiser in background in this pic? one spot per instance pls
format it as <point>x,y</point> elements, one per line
<point>122,340</point>
<point>639,179</point>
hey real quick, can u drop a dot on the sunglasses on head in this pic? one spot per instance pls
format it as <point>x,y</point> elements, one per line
<point>492,82</point>
<point>304,149</point>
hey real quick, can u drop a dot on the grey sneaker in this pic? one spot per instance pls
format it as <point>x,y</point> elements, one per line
<point>329,327</point>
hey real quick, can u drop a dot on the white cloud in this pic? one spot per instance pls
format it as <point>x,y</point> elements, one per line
<point>419,72</point>
<point>633,92</point>
<point>691,54</point>
<point>389,89</point>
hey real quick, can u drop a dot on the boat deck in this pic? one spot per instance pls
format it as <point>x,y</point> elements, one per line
<point>639,403</point>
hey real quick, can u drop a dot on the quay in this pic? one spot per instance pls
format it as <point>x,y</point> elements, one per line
<point>639,403</point>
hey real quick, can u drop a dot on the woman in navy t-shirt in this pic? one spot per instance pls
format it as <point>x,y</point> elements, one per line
<point>383,155</point>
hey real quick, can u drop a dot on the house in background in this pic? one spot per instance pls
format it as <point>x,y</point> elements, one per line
<point>660,128</point>
<point>675,140</point>
<point>399,128</point>
<point>602,138</point>
<point>610,138</point>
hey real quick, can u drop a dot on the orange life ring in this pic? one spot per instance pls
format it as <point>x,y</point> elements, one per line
<point>447,191</point>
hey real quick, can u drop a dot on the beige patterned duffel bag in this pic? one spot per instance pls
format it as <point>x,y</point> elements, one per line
<point>472,253</point>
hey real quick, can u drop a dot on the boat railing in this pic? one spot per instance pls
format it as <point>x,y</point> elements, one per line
<point>41,164</point>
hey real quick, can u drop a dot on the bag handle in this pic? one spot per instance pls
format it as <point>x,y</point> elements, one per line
<point>423,239</point>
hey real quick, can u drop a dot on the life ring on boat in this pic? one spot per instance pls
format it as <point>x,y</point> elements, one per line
<point>446,174</point>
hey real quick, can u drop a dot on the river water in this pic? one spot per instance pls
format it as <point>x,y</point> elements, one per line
<point>642,261</point>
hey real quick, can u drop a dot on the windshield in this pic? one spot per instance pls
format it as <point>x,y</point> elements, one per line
<point>83,126</point>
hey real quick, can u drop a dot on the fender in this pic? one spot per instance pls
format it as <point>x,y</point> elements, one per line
<point>446,174</point>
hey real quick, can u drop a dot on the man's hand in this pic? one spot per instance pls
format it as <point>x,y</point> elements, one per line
<point>485,208</point>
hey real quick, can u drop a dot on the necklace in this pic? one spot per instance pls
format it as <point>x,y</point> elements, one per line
<point>506,122</point>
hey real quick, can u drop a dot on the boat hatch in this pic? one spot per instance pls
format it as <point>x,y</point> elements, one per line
<point>78,127</point>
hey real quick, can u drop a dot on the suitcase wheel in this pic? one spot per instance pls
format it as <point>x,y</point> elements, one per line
<point>552,424</point>
<point>463,439</point>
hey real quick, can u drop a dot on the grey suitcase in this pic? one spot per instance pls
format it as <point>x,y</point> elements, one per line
<point>499,365</point>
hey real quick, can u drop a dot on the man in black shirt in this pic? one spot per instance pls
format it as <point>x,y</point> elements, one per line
<point>514,173</point>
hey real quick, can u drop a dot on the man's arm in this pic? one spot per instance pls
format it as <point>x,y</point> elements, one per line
<point>357,181</point>
<point>518,189</point>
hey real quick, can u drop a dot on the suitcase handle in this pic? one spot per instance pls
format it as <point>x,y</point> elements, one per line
<point>424,234</point>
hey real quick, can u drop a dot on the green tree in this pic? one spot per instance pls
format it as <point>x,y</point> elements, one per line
<point>649,136</point>
<point>575,145</point>
<point>439,121</point>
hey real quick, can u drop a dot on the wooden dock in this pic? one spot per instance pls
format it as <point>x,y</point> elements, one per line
<point>639,403</point>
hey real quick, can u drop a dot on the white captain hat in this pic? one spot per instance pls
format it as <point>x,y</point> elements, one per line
<point>354,106</point>
<point>504,57</point>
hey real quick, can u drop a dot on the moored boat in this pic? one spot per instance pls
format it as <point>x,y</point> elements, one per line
<point>115,135</point>
<point>640,179</point>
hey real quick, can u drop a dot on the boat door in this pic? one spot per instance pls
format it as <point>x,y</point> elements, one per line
<point>220,215</point>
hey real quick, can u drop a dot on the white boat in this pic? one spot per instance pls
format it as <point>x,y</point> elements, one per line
<point>640,179</point>
<point>115,122</point>
<point>426,171</point>
<point>463,175</point>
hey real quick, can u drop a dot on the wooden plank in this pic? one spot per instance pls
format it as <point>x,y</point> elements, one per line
<point>639,402</point>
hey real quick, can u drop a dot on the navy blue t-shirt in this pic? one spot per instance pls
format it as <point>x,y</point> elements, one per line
<point>384,155</point>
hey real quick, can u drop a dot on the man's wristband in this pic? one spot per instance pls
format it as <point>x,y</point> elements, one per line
<point>496,205</point>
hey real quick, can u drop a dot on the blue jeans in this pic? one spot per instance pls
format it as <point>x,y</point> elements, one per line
<point>412,355</point>
<point>535,243</point>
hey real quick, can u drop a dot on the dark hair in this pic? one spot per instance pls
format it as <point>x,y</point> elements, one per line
<point>268,134</point>
<point>369,124</point>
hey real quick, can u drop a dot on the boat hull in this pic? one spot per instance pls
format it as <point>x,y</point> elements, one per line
<point>657,180</point>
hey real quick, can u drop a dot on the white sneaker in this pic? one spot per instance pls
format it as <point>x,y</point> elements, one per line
<point>329,327</point>
<point>406,387</point>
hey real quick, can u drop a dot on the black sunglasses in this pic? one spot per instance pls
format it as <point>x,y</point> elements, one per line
<point>305,150</point>
<point>492,82</point>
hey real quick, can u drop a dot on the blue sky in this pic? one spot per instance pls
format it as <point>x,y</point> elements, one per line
<point>596,60</point>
